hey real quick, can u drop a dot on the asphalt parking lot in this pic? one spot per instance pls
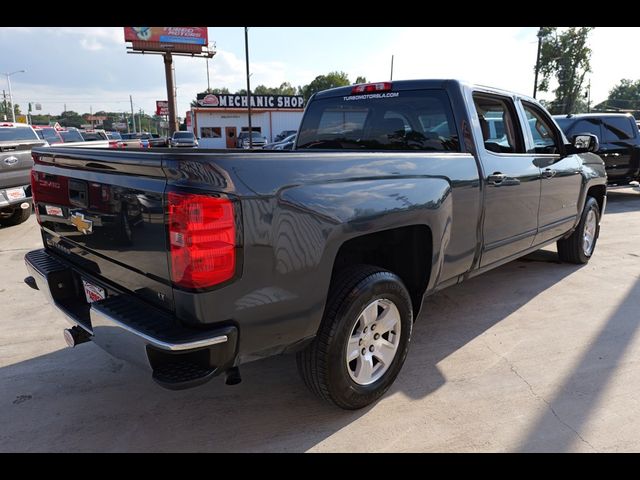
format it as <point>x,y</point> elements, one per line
<point>533,356</point>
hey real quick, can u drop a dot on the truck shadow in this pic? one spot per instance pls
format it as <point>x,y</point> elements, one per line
<point>622,201</point>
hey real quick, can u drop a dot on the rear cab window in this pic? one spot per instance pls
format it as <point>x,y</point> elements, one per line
<point>9,134</point>
<point>618,128</point>
<point>419,120</point>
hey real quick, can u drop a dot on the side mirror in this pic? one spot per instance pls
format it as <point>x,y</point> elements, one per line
<point>585,142</point>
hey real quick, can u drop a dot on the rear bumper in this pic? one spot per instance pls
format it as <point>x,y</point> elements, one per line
<point>6,201</point>
<point>132,330</point>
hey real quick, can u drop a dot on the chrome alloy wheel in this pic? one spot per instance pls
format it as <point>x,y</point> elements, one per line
<point>589,233</point>
<point>374,341</point>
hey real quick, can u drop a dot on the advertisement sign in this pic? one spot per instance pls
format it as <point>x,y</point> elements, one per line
<point>257,101</point>
<point>162,107</point>
<point>174,39</point>
<point>20,118</point>
<point>95,118</point>
<point>119,125</point>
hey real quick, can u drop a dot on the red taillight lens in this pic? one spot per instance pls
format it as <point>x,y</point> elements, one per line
<point>34,182</point>
<point>113,144</point>
<point>202,236</point>
<point>371,87</point>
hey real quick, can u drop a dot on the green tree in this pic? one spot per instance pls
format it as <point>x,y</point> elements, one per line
<point>623,96</point>
<point>215,91</point>
<point>360,79</point>
<point>16,109</point>
<point>324,82</point>
<point>70,118</point>
<point>564,56</point>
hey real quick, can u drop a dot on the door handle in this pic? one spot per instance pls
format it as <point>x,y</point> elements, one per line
<point>496,178</point>
<point>548,173</point>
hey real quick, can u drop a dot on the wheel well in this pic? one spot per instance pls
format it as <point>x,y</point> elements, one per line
<point>405,251</point>
<point>598,192</point>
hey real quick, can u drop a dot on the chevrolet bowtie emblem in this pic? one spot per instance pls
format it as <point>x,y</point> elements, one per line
<point>83,225</point>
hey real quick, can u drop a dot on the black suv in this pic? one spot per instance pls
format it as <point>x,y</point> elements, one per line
<point>619,141</point>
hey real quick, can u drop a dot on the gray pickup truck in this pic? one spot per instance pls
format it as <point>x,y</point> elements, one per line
<point>16,142</point>
<point>192,263</point>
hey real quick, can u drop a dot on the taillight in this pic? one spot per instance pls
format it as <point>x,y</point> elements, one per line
<point>371,87</point>
<point>202,236</point>
<point>34,182</point>
<point>113,144</point>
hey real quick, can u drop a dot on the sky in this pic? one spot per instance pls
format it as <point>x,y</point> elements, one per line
<point>88,68</point>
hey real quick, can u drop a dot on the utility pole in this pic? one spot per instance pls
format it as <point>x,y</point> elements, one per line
<point>246,51</point>
<point>535,81</point>
<point>391,79</point>
<point>65,107</point>
<point>208,84</point>
<point>91,115</point>
<point>133,117</point>
<point>4,104</point>
<point>589,97</point>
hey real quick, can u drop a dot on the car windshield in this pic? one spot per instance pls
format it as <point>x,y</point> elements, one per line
<point>183,135</point>
<point>71,136</point>
<point>93,136</point>
<point>290,138</point>
<point>8,134</point>
<point>114,136</point>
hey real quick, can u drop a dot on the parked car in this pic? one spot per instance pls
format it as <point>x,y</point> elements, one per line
<point>619,142</point>
<point>329,254</point>
<point>94,135</point>
<point>257,140</point>
<point>156,140</point>
<point>16,142</point>
<point>283,134</point>
<point>184,139</point>
<point>271,146</point>
<point>134,140</point>
<point>48,134</point>
<point>74,137</point>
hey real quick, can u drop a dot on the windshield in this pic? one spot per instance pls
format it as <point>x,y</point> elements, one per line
<point>114,136</point>
<point>183,135</point>
<point>405,120</point>
<point>71,136</point>
<point>93,136</point>
<point>17,133</point>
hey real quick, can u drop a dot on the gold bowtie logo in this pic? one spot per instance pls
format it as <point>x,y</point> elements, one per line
<point>83,225</point>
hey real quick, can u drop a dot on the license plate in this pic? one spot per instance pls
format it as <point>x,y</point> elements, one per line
<point>15,194</point>
<point>92,292</point>
<point>54,211</point>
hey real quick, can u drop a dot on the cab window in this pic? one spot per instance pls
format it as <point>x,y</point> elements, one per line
<point>545,137</point>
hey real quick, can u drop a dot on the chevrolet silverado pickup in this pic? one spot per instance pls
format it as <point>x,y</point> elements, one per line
<point>16,142</point>
<point>193,262</point>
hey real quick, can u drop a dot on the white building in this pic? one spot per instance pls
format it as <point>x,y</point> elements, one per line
<point>218,118</point>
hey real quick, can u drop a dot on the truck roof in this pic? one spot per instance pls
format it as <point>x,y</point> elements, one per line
<point>422,84</point>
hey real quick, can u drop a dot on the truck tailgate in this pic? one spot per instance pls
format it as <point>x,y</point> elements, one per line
<point>103,210</point>
<point>15,162</point>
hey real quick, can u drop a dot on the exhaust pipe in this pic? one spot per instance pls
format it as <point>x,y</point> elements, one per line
<point>75,336</point>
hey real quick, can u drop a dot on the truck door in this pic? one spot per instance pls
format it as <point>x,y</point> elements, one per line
<point>561,179</point>
<point>511,177</point>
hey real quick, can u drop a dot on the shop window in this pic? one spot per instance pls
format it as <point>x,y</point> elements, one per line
<point>210,132</point>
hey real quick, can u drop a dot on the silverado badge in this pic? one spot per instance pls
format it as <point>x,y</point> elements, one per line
<point>83,225</point>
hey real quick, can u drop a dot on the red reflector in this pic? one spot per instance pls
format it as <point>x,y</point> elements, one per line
<point>34,182</point>
<point>202,237</point>
<point>371,87</point>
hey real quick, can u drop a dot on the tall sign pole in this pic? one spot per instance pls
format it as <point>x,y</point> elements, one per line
<point>133,117</point>
<point>168,61</point>
<point>246,52</point>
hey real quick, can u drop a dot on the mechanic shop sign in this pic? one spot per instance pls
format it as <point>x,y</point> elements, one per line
<point>289,102</point>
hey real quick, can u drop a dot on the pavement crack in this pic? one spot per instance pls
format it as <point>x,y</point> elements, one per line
<point>541,398</point>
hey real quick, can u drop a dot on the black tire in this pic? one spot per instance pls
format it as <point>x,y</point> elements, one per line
<point>19,216</point>
<point>572,249</point>
<point>322,364</point>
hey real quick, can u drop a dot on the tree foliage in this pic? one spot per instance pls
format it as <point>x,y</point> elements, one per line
<point>323,82</point>
<point>564,56</point>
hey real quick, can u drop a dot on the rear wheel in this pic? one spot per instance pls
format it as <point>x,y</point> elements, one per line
<point>19,216</point>
<point>363,338</point>
<point>579,247</point>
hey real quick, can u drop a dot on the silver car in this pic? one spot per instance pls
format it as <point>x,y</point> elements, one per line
<point>183,139</point>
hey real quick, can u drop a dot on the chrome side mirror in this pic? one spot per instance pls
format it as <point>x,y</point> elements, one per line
<point>585,142</point>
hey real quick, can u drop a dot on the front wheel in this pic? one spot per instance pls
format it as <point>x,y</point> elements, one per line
<point>579,246</point>
<point>363,339</point>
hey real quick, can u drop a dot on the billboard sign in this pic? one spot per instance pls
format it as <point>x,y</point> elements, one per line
<point>95,118</point>
<point>173,39</point>
<point>257,101</point>
<point>119,125</point>
<point>162,107</point>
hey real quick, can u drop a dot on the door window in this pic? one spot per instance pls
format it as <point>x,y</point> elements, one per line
<point>545,136</point>
<point>617,128</point>
<point>500,131</point>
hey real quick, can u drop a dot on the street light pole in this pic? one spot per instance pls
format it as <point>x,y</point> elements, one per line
<point>13,109</point>
<point>246,51</point>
